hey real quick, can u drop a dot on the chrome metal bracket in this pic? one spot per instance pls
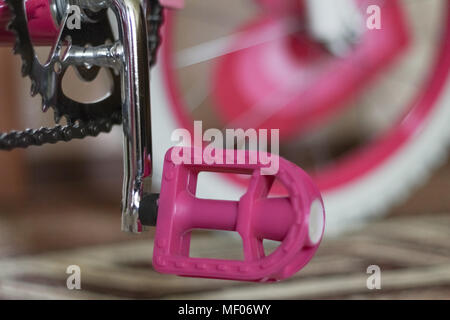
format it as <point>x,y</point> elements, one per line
<point>129,55</point>
<point>130,15</point>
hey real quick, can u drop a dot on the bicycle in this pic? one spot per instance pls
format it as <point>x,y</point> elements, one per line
<point>122,36</point>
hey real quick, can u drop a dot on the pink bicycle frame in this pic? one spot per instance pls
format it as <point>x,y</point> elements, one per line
<point>42,26</point>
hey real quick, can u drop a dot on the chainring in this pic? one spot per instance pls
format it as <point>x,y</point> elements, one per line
<point>94,33</point>
<point>79,129</point>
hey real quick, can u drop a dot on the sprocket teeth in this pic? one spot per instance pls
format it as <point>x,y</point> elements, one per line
<point>11,25</point>
<point>16,48</point>
<point>45,107</point>
<point>69,120</point>
<point>34,88</point>
<point>24,69</point>
<point>57,117</point>
<point>32,68</point>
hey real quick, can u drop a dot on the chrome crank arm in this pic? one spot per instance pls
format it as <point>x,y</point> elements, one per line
<point>137,143</point>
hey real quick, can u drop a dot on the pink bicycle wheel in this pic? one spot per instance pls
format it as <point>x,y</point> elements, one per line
<point>350,175</point>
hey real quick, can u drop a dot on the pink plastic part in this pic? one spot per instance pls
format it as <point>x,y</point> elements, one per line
<point>43,30</point>
<point>255,217</point>
<point>174,4</point>
<point>40,23</point>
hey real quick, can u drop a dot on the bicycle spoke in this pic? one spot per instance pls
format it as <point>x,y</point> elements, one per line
<point>220,47</point>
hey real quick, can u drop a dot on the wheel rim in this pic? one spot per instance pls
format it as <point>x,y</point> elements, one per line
<point>366,159</point>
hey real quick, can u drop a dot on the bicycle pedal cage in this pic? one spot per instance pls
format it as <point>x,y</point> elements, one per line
<point>297,221</point>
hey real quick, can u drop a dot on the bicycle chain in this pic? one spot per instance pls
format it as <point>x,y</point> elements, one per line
<point>38,137</point>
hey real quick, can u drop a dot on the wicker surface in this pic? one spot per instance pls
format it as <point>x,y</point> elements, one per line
<point>413,254</point>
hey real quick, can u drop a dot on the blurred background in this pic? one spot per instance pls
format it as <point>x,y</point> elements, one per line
<point>60,204</point>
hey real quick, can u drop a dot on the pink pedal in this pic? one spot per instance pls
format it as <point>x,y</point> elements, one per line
<point>297,221</point>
